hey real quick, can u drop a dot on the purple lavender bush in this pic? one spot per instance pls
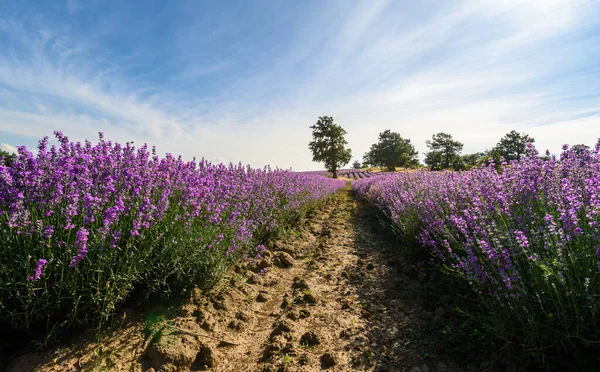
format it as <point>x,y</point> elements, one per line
<point>525,238</point>
<point>82,223</point>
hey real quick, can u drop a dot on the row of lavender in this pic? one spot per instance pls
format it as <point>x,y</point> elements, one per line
<point>81,224</point>
<point>355,173</point>
<point>526,239</point>
<point>348,173</point>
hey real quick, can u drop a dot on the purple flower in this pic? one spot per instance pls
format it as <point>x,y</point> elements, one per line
<point>81,242</point>
<point>522,238</point>
<point>38,269</point>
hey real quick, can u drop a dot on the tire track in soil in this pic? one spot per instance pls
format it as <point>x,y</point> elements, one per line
<point>337,297</point>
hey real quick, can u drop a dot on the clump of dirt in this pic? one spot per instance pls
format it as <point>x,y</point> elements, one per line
<point>175,344</point>
<point>310,338</point>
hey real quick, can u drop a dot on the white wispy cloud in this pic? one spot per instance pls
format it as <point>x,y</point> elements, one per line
<point>8,148</point>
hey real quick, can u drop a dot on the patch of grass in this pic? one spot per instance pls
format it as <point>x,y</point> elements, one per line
<point>106,359</point>
<point>286,359</point>
<point>154,325</point>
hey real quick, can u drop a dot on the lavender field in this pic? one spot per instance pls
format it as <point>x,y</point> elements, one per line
<point>86,225</point>
<point>525,239</point>
<point>83,224</point>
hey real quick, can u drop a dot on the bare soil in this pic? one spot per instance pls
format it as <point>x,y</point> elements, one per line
<point>337,295</point>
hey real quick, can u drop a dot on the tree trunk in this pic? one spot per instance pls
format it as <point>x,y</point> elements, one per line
<point>334,173</point>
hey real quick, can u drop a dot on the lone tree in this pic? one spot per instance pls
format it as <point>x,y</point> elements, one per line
<point>513,146</point>
<point>392,151</point>
<point>356,164</point>
<point>445,151</point>
<point>329,145</point>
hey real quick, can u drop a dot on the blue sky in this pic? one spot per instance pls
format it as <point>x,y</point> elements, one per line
<point>244,80</point>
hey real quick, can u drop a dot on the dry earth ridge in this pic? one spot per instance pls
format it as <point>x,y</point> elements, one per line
<point>336,296</point>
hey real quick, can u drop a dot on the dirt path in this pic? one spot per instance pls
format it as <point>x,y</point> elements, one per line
<point>336,295</point>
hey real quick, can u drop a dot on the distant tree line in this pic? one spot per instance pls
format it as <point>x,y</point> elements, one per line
<point>445,152</point>
<point>392,150</point>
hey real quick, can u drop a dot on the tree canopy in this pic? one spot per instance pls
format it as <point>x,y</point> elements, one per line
<point>444,152</point>
<point>513,145</point>
<point>391,151</point>
<point>7,157</point>
<point>329,145</point>
<point>356,164</point>
<point>581,149</point>
<point>468,161</point>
